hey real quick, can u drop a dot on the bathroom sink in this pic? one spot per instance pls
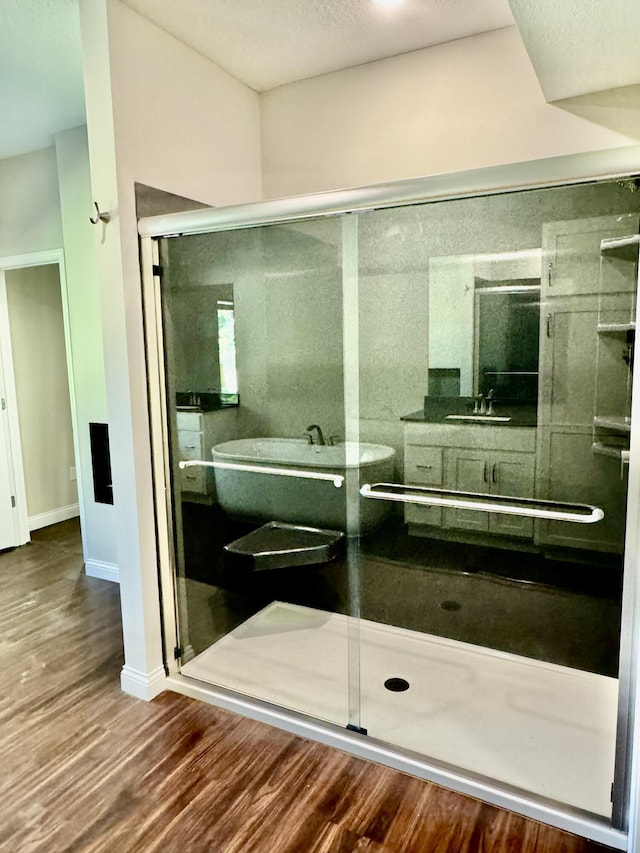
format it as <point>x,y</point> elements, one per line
<point>479,419</point>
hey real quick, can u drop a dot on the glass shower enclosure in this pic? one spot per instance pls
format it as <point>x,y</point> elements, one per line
<point>393,447</point>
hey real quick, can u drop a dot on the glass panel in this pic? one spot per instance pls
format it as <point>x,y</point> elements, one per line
<point>495,344</point>
<point>253,335</point>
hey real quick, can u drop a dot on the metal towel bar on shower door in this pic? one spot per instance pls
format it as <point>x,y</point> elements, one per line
<point>528,507</point>
<point>336,479</point>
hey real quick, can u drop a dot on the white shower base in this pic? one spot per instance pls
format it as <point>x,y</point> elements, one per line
<point>542,727</point>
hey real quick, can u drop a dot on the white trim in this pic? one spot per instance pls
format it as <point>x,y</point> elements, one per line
<point>143,685</point>
<point>551,171</point>
<point>627,775</point>
<point>105,571</point>
<point>495,793</point>
<point>14,443</point>
<point>32,259</point>
<point>53,516</point>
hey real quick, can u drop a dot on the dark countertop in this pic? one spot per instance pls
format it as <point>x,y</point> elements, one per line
<point>204,401</point>
<point>436,409</point>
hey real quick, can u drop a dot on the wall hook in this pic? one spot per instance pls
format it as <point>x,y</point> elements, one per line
<point>101,217</point>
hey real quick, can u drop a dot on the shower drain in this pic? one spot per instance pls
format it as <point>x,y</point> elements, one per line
<point>396,685</point>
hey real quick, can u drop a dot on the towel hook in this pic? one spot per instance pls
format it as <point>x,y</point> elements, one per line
<point>101,217</point>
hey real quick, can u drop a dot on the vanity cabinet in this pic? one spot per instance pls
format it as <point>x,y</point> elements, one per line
<point>197,433</point>
<point>192,445</point>
<point>493,473</point>
<point>481,459</point>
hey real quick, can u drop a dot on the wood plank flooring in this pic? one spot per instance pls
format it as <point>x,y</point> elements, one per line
<point>84,767</point>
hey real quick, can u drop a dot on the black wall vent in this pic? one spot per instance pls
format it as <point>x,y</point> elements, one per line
<point>101,463</point>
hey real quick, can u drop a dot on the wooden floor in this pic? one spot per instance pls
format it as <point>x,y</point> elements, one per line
<point>86,768</point>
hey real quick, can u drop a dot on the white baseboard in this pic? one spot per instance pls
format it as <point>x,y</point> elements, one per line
<point>106,571</point>
<point>143,685</point>
<point>44,519</point>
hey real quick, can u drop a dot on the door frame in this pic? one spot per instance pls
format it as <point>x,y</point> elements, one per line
<point>47,257</point>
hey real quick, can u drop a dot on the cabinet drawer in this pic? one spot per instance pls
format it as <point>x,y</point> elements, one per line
<point>423,465</point>
<point>189,421</point>
<point>192,480</point>
<point>190,444</point>
<point>414,514</point>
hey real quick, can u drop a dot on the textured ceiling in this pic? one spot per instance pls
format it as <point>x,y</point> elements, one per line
<point>576,46</point>
<point>41,89</point>
<point>266,43</point>
<point>581,46</point>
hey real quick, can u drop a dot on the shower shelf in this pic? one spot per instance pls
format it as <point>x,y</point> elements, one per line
<point>527,507</point>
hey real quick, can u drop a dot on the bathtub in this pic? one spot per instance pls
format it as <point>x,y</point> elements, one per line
<point>264,497</point>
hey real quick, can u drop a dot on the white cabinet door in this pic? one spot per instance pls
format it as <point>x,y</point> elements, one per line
<point>512,474</point>
<point>470,472</point>
<point>423,467</point>
<point>569,345</point>
<point>576,475</point>
<point>493,473</point>
<point>571,252</point>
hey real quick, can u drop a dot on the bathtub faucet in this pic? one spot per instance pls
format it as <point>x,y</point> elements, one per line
<point>319,436</point>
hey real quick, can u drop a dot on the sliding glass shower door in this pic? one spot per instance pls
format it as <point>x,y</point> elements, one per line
<point>495,340</point>
<point>252,335</point>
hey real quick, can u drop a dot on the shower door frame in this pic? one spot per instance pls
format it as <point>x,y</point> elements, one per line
<point>624,830</point>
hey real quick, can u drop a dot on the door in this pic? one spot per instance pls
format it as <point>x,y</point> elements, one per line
<point>260,482</point>
<point>472,637</point>
<point>471,473</point>
<point>512,474</point>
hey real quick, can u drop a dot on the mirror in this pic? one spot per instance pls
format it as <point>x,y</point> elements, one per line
<point>483,295</point>
<point>203,326</point>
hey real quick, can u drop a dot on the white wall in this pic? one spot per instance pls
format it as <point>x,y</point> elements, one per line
<point>159,114</point>
<point>45,202</point>
<point>463,105</point>
<point>287,290</point>
<point>29,204</point>
<point>98,519</point>
<point>42,389</point>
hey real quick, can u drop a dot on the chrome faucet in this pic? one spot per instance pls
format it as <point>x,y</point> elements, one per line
<point>319,435</point>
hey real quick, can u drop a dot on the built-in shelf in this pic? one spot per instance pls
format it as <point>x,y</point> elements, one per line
<point>620,453</point>
<point>616,328</point>
<point>620,424</point>
<point>625,248</point>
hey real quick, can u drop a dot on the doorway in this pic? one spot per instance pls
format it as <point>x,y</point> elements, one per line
<point>37,435</point>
